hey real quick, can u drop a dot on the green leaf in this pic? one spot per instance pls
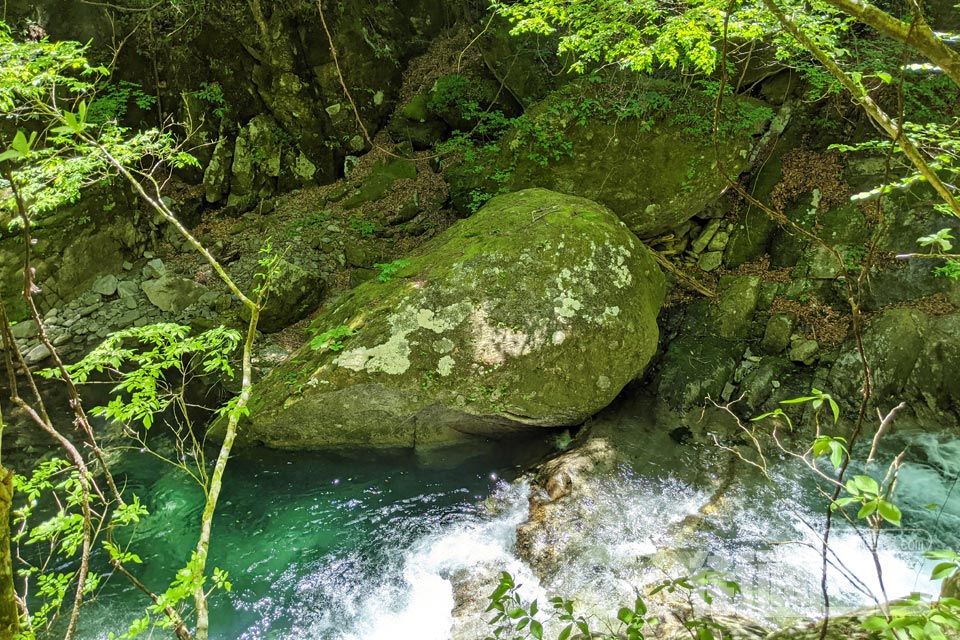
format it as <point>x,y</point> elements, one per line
<point>536,630</point>
<point>867,509</point>
<point>835,409</point>
<point>874,623</point>
<point>565,633</point>
<point>867,485</point>
<point>852,488</point>
<point>625,615</point>
<point>21,144</point>
<point>943,570</point>
<point>640,607</point>
<point>890,512</point>
<point>836,454</point>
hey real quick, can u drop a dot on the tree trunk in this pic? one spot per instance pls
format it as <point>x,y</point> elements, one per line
<point>9,613</point>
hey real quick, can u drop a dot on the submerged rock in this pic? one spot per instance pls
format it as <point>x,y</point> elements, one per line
<point>534,312</point>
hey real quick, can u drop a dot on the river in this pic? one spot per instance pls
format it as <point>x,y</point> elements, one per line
<point>365,545</point>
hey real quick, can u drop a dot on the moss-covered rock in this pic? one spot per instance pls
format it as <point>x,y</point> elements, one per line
<point>294,293</point>
<point>694,367</point>
<point>645,151</point>
<point>934,386</point>
<point>536,311</point>
<point>892,344</point>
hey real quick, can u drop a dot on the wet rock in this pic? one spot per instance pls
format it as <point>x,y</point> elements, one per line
<point>934,386</point>
<point>893,342</point>
<point>694,367</point>
<point>515,309</point>
<point>760,383</point>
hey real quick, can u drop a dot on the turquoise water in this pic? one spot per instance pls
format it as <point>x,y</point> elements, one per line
<point>305,537</point>
<point>369,546</point>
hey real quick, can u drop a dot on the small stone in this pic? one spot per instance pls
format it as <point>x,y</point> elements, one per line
<point>131,303</point>
<point>719,241</point>
<point>127,266</point>
<point>710,260</point>
<point>36,354</point>
<point>148,255</point>
<point>105,285</point>
<point>804,350</point>
<point>128,318</point>
<point>357,143</point>
<point>88,299</point>
<point>26,329</point>
<point>776,337</point>
<point>155,269</point>
<point>127,288</point>
<point>83,313</point>
<point>61,339</point>
<point>727,392</point>
<point>172,294</point>
<point>51,314</point>
<point>223,303</point>
<point>698,245</point>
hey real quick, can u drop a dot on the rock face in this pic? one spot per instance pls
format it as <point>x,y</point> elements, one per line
<point>536,311</point>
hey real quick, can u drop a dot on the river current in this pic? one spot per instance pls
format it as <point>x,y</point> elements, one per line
<point>365,546</point>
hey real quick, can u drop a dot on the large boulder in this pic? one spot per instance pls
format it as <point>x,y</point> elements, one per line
<point>645,150</point>
<point>534,312</point>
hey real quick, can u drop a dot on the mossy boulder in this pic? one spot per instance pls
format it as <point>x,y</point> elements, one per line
<point>644,150</point>
<point>535,312</point>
